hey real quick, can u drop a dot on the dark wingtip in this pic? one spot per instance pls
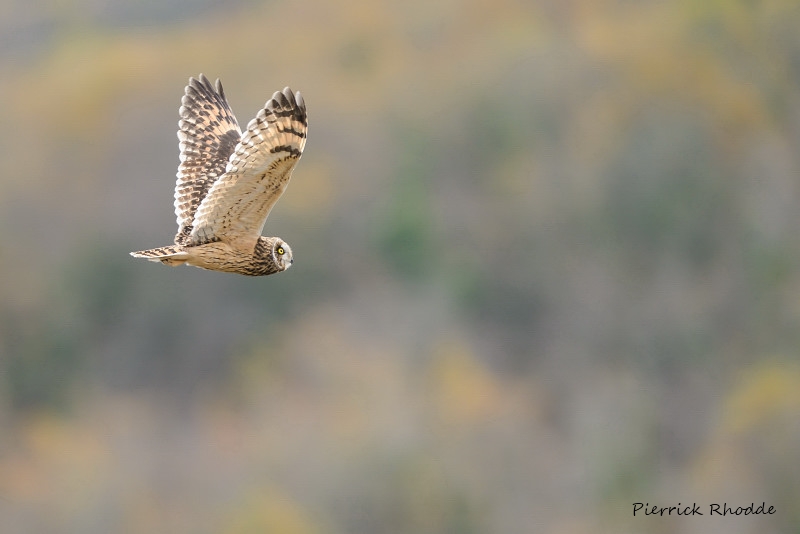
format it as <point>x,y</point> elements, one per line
<point>287,93</point>
<point>287,101</point>
<point>279,98</point>
<point>196,83</point>
<point>203,85</point>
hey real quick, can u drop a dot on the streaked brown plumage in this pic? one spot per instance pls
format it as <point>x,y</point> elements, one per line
<point>228,181</point>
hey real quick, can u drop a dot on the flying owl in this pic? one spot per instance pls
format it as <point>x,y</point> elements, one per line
<point>228,181</point>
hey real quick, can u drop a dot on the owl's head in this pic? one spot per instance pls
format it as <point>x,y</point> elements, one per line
<point>272,255</point>
<point>281,254</point>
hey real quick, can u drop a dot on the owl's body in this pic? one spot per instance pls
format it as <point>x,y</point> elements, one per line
<point>229,181</point>
<point>269,255</point>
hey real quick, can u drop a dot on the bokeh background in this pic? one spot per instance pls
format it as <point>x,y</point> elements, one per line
<point>547,265</point>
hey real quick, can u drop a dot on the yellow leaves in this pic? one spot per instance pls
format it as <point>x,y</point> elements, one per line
<point>609,34</point>
<point>464,391</point>
<point>270,511</point>
<point>49,445</point>
<point>756,428</point>
<point>766,395</point>
<point>657,50</point>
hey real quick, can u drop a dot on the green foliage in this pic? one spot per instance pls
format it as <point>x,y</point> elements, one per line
<point>42,366</point>
<point>49,350</point>
<point>405,233</point>
<point>666,194</point>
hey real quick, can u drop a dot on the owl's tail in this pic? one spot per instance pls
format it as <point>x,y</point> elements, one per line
<point>170,255</point>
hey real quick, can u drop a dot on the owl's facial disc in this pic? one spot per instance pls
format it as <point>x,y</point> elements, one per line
<point>282,254</point>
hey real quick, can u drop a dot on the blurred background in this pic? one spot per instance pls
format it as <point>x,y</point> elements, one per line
<point>547,265</point>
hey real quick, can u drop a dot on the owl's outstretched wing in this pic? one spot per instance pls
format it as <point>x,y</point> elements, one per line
<point>208,133</point>
<point>257,173</point>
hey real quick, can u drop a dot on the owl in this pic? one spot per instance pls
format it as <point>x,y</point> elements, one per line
<point>228,181</point>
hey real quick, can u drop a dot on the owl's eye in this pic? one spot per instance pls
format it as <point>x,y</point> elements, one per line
<point>281,251</point>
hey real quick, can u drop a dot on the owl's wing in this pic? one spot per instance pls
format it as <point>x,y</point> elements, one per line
<point>208,133</point>
<point>257,174</point>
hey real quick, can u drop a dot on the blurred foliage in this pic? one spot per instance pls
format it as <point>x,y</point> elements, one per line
<point>546,266</point>
<point>405,232</point>
<point>269,512</point>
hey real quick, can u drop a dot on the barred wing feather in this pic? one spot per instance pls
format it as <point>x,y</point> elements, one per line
<point>208,133</point>
<point>257,173</point>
